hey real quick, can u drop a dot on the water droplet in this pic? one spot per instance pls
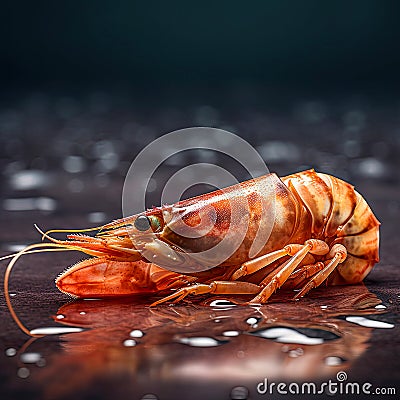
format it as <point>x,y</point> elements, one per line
<point>60,316</point>
<point>333,361</point>
<point>294,353</point>
<point>74,164</point>
<point>370,168</point>
<point>54,330</point>
<point>149,396</point>
<point>252,320</point>
<point>29,204</point>
<point>41,362</point>
<point>287,335</point>
<point>380,307</point>
<point>136,333</point>
<point>15,247</point>
<point>29,180</point>
<point>230,333</point>
<point>30,358</point>
<point>108,163</point>
<point>45,204</point>
<point>369,323</point>
<point>10,352</point>
<point>240,354</point>
<point>82,313</point>
<point>129,343</point>
<point>103,147</point>
<point>278,151</point>
<point>23,372</point>
<point>97,217</point>
<point>324,307</point>
<point>200,341</point>
<point>222,304</point>
<point>107,156</point>
<point>239,393</point>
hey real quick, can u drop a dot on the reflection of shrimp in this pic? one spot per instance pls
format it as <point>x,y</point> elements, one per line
<point>322,229</point>
<point>161,359</point>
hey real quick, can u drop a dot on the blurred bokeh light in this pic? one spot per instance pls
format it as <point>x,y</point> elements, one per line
<point>85,86</point>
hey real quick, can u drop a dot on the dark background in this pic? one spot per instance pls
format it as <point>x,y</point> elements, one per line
<point>84,86</point>
<point>308,44</point>
<point>311,84</point>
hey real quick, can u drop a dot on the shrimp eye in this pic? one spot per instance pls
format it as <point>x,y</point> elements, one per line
<point>142,223</point>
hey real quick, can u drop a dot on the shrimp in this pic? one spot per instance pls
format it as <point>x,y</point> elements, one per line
<point>320,230</point>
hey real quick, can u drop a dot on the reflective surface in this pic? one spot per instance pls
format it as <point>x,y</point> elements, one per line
<point>214,345</point>
<point>123,349</point>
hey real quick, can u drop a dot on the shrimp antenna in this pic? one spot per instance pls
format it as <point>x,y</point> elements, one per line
<point>45,234</point>
<point>31,252</point>
<point>33,248</point>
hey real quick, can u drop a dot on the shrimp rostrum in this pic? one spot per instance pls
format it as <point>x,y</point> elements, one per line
<point>251,239</point>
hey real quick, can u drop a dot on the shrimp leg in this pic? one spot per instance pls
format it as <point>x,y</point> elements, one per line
<point>215,287</point>
<point>315,247</point>
<point>300,275</point>
<point>278,278</point>
<point>339,254</point>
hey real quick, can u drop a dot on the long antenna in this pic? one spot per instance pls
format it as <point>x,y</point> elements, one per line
<point>28,249</point>
<point>45,234</point>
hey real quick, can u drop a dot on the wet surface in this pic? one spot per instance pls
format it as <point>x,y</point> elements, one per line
<point>127,347</point>
<point>212,347</point>
<point>88,347</point>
